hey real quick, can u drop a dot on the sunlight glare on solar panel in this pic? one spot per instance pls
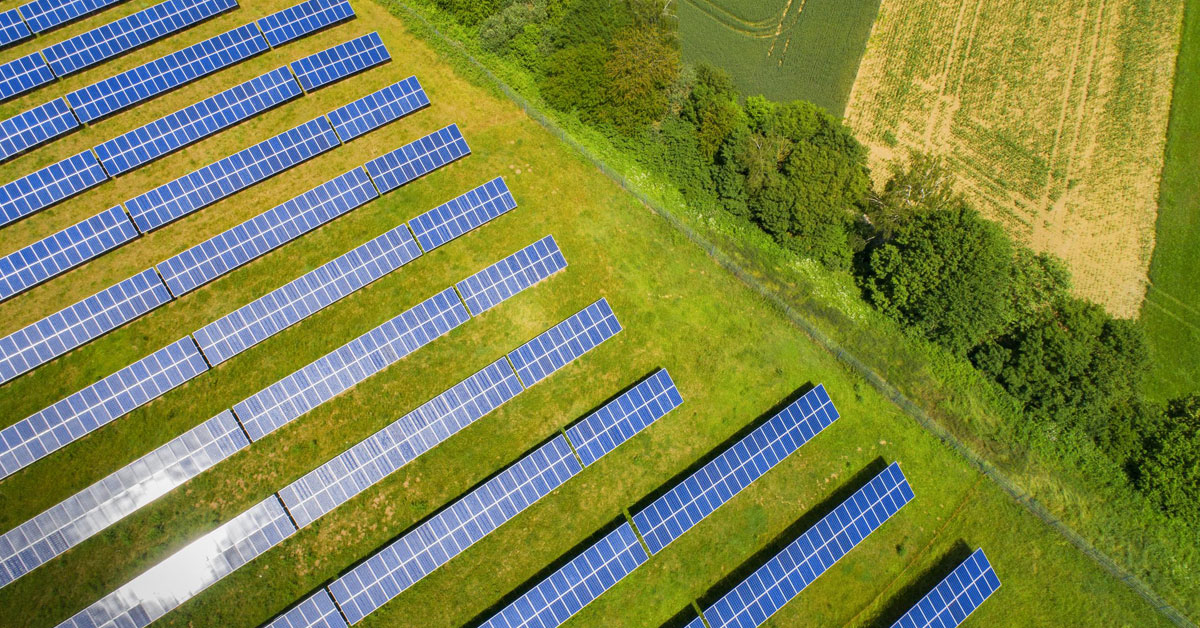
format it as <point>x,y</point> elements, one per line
<point>316,611</point>
<point>462,214</point>
<point>340,61</point>
<point>64,250</point>
<point>492,285</point>
<point>12,27</point>
<point>562,344</point>
<point>378,108</point>
<point>621,418</point>
<point>35,126</point>
<point>410,161</point>
<point>304,18</point>
<point>955,597</point>
<point>43,188</point>
<point>23,74</point>
<point>44,15</point>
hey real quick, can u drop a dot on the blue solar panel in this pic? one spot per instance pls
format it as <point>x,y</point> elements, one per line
<point>297,21</point>
<point>86,411</point>
<point>956,597</point>
<point>28,348</point>
<point>64,250</point>
<point>36,126</point>
<point>337,371</point>
<point>39,190</point>
<point>194,122</point>
<point>23,74</point>
<point>340,61</point>
<point>44,15</point>
<point>316,611</point>
<point>165,73</point>
<point>462,214</point>
<point>265,232</point>
<point>782,578</point>
<point>232,174</point>
<point>621,418</point>
<point>410,161</point>
<point>562,344</point>
<point>566,591</point>
<point>445,535</point>
<point>378,108</point>
<point>12,27</point>
<point>81,516</point>
<point>488,287</point>
<point>285,306</point>
<point>127,33</point>
<point>384,452</point>
<point>745,461</point>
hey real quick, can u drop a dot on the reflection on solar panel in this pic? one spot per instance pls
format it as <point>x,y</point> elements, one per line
<point>379,108</point>
<point>956,597</point>
<point>410,161</point>
<point>734,469</point>
<point>189,571</point>
<point>337,371</point>
<point>12,27</point>
<point>28,348</point>
<point>316,611</point>
<point>384,452</point>
<point>129,32</point>
<point>621,418</point>
<point>462,214</point>
<point>271,313</point>
<point>488,287</point>
<point>562,344</point>
<point>232,174</point>
<point>97,405</point>
<point>79,517</point>
<point>39,190</point>
<point>782,578</point>
<point>340,61</point>
<point>172,132</point>
<point>302,19</point>
<point>44,15</point>
<point>430,545</point>
<point>36,126</point>
<point>165,73</point>
<point>576,584</point>
<point>265,232</point>
<point>64,250</point>
<point>23,74</point>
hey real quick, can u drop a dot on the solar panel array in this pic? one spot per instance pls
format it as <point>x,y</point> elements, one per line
<point>378,108</point>
<point>563,343</point>
<point>340,61</point>
<point>30,128</point>
<point>97,405</point>
<point>129,32</point>
<point>492,285</point>
<point>23,74</point>
<point>45,187</point>
<point>316,611</point>
<point>774,584</point>
<point>165,73</point>
<point>44,15</point>
<point>12,27</point>
<point>734,469</point>
<point>194,122</point>
<point>410,161</point>
<point>64,250</point>
<point>956,597</point>
<point>79,517</point>
<point>71,327</point>
<point>462,214</point>
<point>618,420</point>
<point>302,19</point>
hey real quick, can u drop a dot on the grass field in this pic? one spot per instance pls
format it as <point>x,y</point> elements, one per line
<point>1171,312</point>
<point>732,356</point>
<point>1052,114</point>
<point>782,49</point>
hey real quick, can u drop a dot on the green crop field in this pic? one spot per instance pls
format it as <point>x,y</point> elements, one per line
<point>782,49</point>
<point>733,357</point>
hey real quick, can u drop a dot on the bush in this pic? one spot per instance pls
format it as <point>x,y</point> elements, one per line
<point>1169,472</point>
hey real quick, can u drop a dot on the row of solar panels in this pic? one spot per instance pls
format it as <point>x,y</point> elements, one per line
<point>40,16</point>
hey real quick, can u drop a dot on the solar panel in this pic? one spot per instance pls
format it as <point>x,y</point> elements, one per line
<point>782,577</point>
<point>384,452</point>
<point>378,108</point>
<point>285,306</point>
<point>23,74</point>
<point>734,469</point>
<point>194,122</point>
<point>316,611</point>
<point>339,370</point>
<point>44,15</point>
<point>222,178</point>
<point>120,36</point>
<point>621,418</point>
<point>462,214</point>
<point>39,190</point>
<point>81,516</point>
<point>71,327</point>
<point>165,73</point>
<point>442,537</point>
<point>36,126</point>
<point>12,27</point>
<point>86,411</point>
<point>410,161</point>
<point>340,61</point>
<point>488,287</point>
<point>64,250</point>
<point>956,597</point>
<point>562,344</point>
<point>165,586</point>
<point>566,591</point>
<point>299,20</point>
<point>265,232</point>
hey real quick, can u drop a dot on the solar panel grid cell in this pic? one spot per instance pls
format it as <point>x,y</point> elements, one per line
<point>519,271</point>
<point>299,20</point>
<point>562,344</point>
<point>23,74</point>
<point>462,214</point>
<point>316,611</point>
<point>12,27</point>
<point>44,15</point>
<point>379,108</point>
<point>340,61</point>
<point>64,250</point>
<point>43,188</point>
<point>415,159</point>
<point>621,418</point>
<point>955,597</point>
<point>36,126</point>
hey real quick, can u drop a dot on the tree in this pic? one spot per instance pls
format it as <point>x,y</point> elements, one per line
<point>713,108</point>
<point>643,65</point>
<point>573,79</point>
<point>1169,473</point>
<point>921,184</point>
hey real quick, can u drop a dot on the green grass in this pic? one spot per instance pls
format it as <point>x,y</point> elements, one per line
<point>1171,311</point>
<point>733,356</point>
<point>812,54</point>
